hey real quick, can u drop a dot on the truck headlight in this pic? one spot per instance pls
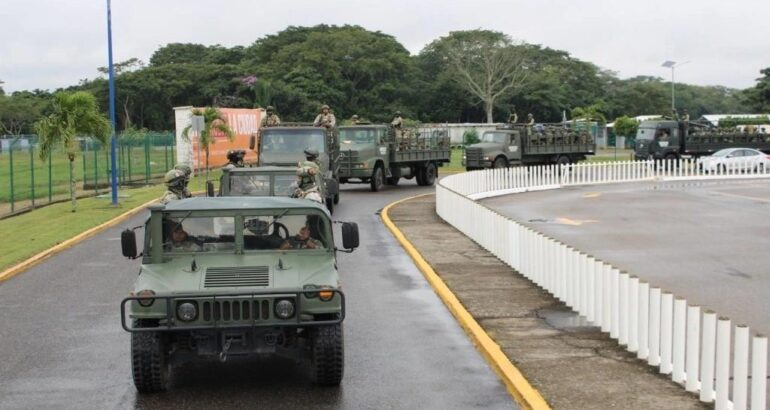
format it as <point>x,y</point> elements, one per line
<point>187,311</point>
<point>284,309</point>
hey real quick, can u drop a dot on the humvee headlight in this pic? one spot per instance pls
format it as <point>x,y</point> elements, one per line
<point>310,295</point>
<point>187,311</point>
<point>284,308</point>
<point>145,297</point>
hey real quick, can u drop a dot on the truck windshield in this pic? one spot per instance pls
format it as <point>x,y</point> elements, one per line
<point>496,137</point>
<point>645,133</point>
<point>359,136</point>
<point>292,141</point>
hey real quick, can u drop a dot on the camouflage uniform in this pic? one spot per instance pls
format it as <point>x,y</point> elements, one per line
<point>513,118</point>
<point>175,184</point>
<point>308,176</point>
<point>187,173</point>
<point>325,118</point>
<point>354,119</point>
<point>271,119</point>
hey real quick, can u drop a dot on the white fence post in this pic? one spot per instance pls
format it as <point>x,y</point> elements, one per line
<point>759,372</point>
<point>723,363</point>
<point>680,328</point>
<point>623,323</point>
<point>654,357</point>
<point>740,367</point>
<point>693,348</point>
<point>709,338</point>
<point>644,322</point>
<point>666,324</point>
<point>633,314</point>
<point>606,298</point>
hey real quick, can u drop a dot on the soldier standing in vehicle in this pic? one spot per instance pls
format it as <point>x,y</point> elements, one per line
<point>271,119</point>
<point>235,159</point>
<point>354,119</point>
<point>187,173</point>
<point>513,118</point>
<point>325,118</point>
<point>175,186</point>
<point>308,172</point>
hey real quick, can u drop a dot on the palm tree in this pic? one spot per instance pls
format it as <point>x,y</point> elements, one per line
<point>74,114</point>
<point>213,121</point>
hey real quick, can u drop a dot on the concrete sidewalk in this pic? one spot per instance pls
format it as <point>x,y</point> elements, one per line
<point>574,366</point>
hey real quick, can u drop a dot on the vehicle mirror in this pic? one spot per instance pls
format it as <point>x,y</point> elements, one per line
<point>349,235</point>
<point>210,188</point>
<point>252,142</point>
<point>128,243</point>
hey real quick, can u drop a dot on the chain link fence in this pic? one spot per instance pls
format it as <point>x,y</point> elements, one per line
<point>26,181</point>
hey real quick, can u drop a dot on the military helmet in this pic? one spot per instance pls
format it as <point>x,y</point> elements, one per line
<point>269,108</point>
<point>174,179</point>
<point>398,113</point>
<point>355,116</point>
<point>325,107</point>
<point>232,155</point>
<point>311,153</point>
<point>184,168</point>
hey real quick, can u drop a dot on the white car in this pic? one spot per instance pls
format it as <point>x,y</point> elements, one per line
<point>735,160</point>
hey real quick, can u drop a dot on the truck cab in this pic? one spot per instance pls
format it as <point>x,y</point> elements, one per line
<point>285,145</point>
<point>658,139</point>
<point>233,277</point>
<point>496,149</point>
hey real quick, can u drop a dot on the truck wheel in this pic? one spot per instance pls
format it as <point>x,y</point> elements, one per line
<point>378,179</point>
<point>328,357</point>
<point>500,162</point>
<point>420,176</point>
<point>330,204</point>
<point>392,181</point>
<point>149,364</point>
<point>429,174</point>
<point>336,198</point>
<point>563,160</point>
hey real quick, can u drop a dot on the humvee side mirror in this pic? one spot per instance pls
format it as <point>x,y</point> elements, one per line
<point>210,189</point>
<point>128,243</point>
<point>349,235</point>
<point>252,142</point>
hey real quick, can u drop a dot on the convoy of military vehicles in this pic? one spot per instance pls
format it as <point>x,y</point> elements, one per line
<point>250,269</point>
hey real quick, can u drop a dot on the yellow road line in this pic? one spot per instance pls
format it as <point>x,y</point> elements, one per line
<point>34,260</point>
<point>516,384</point>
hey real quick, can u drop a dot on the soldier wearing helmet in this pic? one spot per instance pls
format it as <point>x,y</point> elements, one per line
<point>187,170</point>
<point>354,119</point>
<point>325,118</point>
<point>175,186</point>
<point>271,119</point>
<point>308,177</point>
<point>235,158</point>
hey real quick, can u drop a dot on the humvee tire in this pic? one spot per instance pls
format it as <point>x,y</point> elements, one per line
<point>330,204</point>
<point>148,361</point>
<point>328,355</point>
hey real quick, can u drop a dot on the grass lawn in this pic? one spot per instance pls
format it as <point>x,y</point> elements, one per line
<point>28,234</point>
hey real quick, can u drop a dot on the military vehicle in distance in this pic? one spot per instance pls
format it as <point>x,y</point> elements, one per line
<point>264,181</point>
<point>671,139</point>
<point>225,277</point>
<point>284,145</point>
<point>540,144</point>
<point>379,154</point>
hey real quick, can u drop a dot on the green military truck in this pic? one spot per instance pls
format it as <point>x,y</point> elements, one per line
<point>265,181</point>
<point>233,277</point>
<point>285,145</point>
<point>539,144</point>
<point>671,139</point>
<point>379,154</point>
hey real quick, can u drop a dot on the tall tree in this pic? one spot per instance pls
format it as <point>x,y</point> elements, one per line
<point>759,96</point>
<point>74,114</point>
<point>488,64</point>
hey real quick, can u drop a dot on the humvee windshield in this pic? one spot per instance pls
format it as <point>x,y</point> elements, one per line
<point>496,137</point>
<point>260,232</point>
<point>259,185</point>
<point>292,141</point>
<point>361,136</point>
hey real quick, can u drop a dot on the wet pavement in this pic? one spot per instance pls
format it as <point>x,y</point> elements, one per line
<point>574,366</point>
<point>706,241</point>
<point>61,344</point>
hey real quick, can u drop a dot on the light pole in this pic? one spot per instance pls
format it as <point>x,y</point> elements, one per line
<point>114,138</point>
<point>672,64</point>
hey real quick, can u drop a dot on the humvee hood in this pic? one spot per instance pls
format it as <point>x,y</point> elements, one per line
<point>239,273</point>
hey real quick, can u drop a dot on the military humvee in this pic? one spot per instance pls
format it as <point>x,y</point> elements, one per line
<point>227,277</point>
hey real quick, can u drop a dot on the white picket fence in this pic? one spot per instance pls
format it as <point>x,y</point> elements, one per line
<point>697,347</point>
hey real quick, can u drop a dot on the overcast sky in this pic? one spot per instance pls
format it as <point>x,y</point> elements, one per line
<point>54,43</point>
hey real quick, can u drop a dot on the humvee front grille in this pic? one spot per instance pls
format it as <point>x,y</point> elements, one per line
<point>257,276</point>
<point>235,310</point>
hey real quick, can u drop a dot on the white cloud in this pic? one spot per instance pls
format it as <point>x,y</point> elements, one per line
<point>56,43</point>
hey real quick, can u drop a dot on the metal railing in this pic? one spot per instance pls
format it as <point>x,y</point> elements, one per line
<point>699,349</point>
<point>26,181</point>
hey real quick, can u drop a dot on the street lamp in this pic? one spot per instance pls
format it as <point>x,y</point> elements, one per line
<point>114,138</point>
<point>672,64</point>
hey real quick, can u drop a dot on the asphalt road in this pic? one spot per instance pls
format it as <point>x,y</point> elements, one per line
<point>61,344</point>
<point>705,241</point>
